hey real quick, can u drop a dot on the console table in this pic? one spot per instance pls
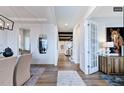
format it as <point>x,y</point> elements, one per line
<point>111,64</point>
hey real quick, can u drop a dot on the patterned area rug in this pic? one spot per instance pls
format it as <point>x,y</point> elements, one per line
<point>114,80</point>
<point>35,75</point>
<point>69,78</point>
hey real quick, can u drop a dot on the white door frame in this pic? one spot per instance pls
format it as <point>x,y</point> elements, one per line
<point>93,58</point>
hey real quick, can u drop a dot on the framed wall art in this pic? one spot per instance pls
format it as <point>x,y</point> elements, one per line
<point>115,35</point>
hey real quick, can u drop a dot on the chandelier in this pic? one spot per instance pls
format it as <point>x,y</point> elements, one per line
<point>6,23</point>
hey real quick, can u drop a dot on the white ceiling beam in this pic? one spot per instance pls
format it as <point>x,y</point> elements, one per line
<point>52,14</point>
<point>89,12</point>
<point>30,19</point>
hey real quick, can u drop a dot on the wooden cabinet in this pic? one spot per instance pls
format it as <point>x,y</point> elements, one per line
<point>111,64</point>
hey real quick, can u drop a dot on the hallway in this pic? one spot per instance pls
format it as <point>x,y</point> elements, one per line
<point>65,64</point>
<point>49,77</point>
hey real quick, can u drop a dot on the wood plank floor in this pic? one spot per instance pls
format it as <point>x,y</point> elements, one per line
<point>49,77</point>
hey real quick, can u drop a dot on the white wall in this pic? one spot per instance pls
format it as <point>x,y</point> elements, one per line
<point>3,40</point>
<point>56,49</point>
<point>51,57</point>
<point>80,45</point>
<point>8,39</point>
<point>12,39</point>
<point>83,46</point>
<point>76,44</point>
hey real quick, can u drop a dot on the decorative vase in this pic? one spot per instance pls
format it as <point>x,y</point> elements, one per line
<point>8,52</point>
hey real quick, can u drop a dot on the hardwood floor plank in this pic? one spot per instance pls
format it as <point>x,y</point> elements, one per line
<point>49,77</point>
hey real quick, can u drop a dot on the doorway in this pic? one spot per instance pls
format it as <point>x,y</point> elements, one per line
<point>65,44</point>
<point>24,41</point>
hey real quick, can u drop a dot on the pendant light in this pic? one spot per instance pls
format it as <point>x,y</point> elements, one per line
<point>6,23</point>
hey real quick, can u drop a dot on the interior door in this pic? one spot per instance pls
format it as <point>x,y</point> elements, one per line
<point>92,48</point>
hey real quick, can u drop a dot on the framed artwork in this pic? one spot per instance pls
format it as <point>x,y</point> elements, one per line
<point>115,35</point>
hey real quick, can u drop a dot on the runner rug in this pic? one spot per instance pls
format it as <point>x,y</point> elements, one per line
<point>69,78</point>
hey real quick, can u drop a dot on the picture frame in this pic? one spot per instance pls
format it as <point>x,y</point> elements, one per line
<point>116,35</point>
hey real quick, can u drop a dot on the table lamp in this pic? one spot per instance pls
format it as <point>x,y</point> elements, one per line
<point>109,45</point>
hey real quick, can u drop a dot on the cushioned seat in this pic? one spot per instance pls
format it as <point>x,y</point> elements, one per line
<point>7,66</point>
<point>22,69</point>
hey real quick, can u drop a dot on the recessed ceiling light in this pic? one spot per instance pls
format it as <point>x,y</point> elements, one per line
<point>66,24</point>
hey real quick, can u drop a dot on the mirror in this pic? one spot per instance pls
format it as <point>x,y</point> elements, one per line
<point>43,44</point>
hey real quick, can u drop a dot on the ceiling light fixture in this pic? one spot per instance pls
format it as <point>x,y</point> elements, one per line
<point>66,24</point>
<point>6,23</point>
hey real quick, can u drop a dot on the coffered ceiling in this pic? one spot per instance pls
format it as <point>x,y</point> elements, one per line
<point>59,15</point>
<point>64,16</point>
<point>32,14</point>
